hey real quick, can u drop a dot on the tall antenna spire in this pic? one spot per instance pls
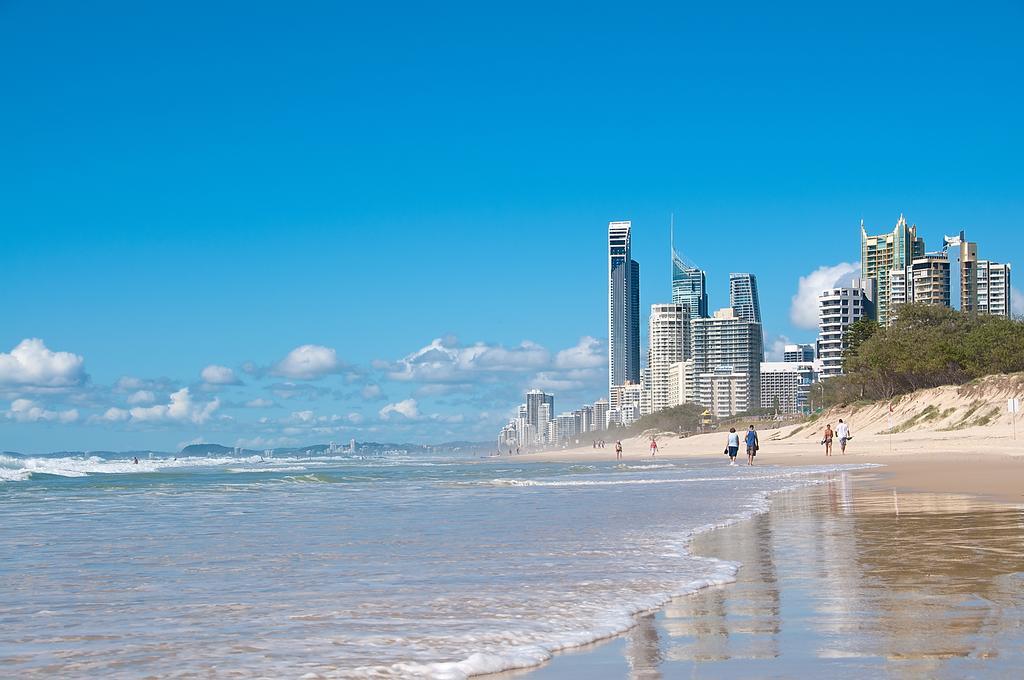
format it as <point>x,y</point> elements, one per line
<point>672,232</point>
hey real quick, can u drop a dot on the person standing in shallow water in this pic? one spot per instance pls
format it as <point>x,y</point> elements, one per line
<point>618,450</point>
<point>752,445</point>
<point>732,446</point>
<point>654,446</point>
<point>826,439</point>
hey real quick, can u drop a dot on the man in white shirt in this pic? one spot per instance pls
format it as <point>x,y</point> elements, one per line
<point>843,432</point>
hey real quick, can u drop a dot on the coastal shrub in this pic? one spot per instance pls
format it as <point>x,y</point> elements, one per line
<point>680,419</point>
<point>926,346</point>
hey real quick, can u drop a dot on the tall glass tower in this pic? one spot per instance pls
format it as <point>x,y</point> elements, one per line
<point>623,308</point>
<point>689,285</point>
<point>743,297</point>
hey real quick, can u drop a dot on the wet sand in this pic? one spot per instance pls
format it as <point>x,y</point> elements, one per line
<point>852,579</point>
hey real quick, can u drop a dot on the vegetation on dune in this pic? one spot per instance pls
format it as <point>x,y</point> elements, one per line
<point>685,418</point>
<point>927,346</point>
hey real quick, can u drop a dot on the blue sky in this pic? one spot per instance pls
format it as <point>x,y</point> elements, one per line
<point>185,186</point>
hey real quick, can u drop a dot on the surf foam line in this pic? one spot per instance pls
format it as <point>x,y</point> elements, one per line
<point>789,474</point>
<point>615,623</point>
<point>21,468</point>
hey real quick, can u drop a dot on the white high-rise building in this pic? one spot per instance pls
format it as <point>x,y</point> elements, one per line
<point>601,414</point>
<point>725,344</point>
<point>543,420</point>
<point>725,392</point>
<point>681,383</point>
<point>789,383</point>
<point>623,307</point>
<point>566,428</point>
<point>667,333</point>
<point>993,288</point>
<point>743,296</point>
<point>801,353</point>
<point>838,308</point>
<point>628,401</point>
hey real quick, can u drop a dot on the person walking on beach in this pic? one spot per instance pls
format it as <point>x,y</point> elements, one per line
<point>618,450</point>
<point>826,439</point>
<point>843,432</point>
<point>732,446</point>
<point>654,446</point>
<point>752,445</point>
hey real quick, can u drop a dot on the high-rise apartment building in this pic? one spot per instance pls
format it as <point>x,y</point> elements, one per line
<point>882,254</point>
<point>535,401</point>
<point>668,333</point>
<point>623,307</point>
<point>723,346</point>
<point>930,280</point>
<point>681,383</point>
<point>601,414</point>
<point>838,308</point>
<point>743,297</point>
<point>968,275</point>
<point>993,283</point>
<point>803,353</point>
<point>786,385</point>
<point>628,402</point>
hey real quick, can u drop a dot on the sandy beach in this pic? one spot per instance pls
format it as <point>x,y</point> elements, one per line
<point>943,440</point>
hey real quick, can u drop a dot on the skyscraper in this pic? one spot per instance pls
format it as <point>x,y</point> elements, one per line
<point>689,286</point>
<point>667,333</point>
<point>880,255</point>
<point>930,276</point>
<point>838,308</point>
<point>994,288</point>
<point>623,308</point>
<point>534,400</point>
<point>727,354</point>
<point>968,275</point>
<point>743,297</point>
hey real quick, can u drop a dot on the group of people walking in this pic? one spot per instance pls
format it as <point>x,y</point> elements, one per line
<point>732,446</point>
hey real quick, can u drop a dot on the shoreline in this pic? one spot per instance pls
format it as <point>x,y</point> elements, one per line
<point>763,502</point>
<point>598,658</point>
<point>980,461</point>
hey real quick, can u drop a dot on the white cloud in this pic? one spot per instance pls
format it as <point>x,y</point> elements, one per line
<point>141,397</point>
<point>308,362</point>
<point>588,353</point>
<point>775,350</point>
<point>444,360</point>
<point>180,408</point>
<point>371,392</point>
<point>28,411</point>
<point>114,414</point>
<point>355,418</point>
<point>219,375</point>
<point>1016,303</point>
<point>803,310</point>
<point>303,416</point>
<point>32,364</point>
<point>259,403</point>
<point>407,408</point>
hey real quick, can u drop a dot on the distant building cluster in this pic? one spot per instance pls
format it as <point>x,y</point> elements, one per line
<point>716,360</point>
<point>897,270</point>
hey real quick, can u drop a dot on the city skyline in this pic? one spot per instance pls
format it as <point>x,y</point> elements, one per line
<point>265,246</point>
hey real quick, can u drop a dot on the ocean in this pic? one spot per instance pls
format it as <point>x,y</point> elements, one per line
<point>341,566</point>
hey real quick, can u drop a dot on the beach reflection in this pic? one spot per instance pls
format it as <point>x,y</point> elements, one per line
<point>856,577</point>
